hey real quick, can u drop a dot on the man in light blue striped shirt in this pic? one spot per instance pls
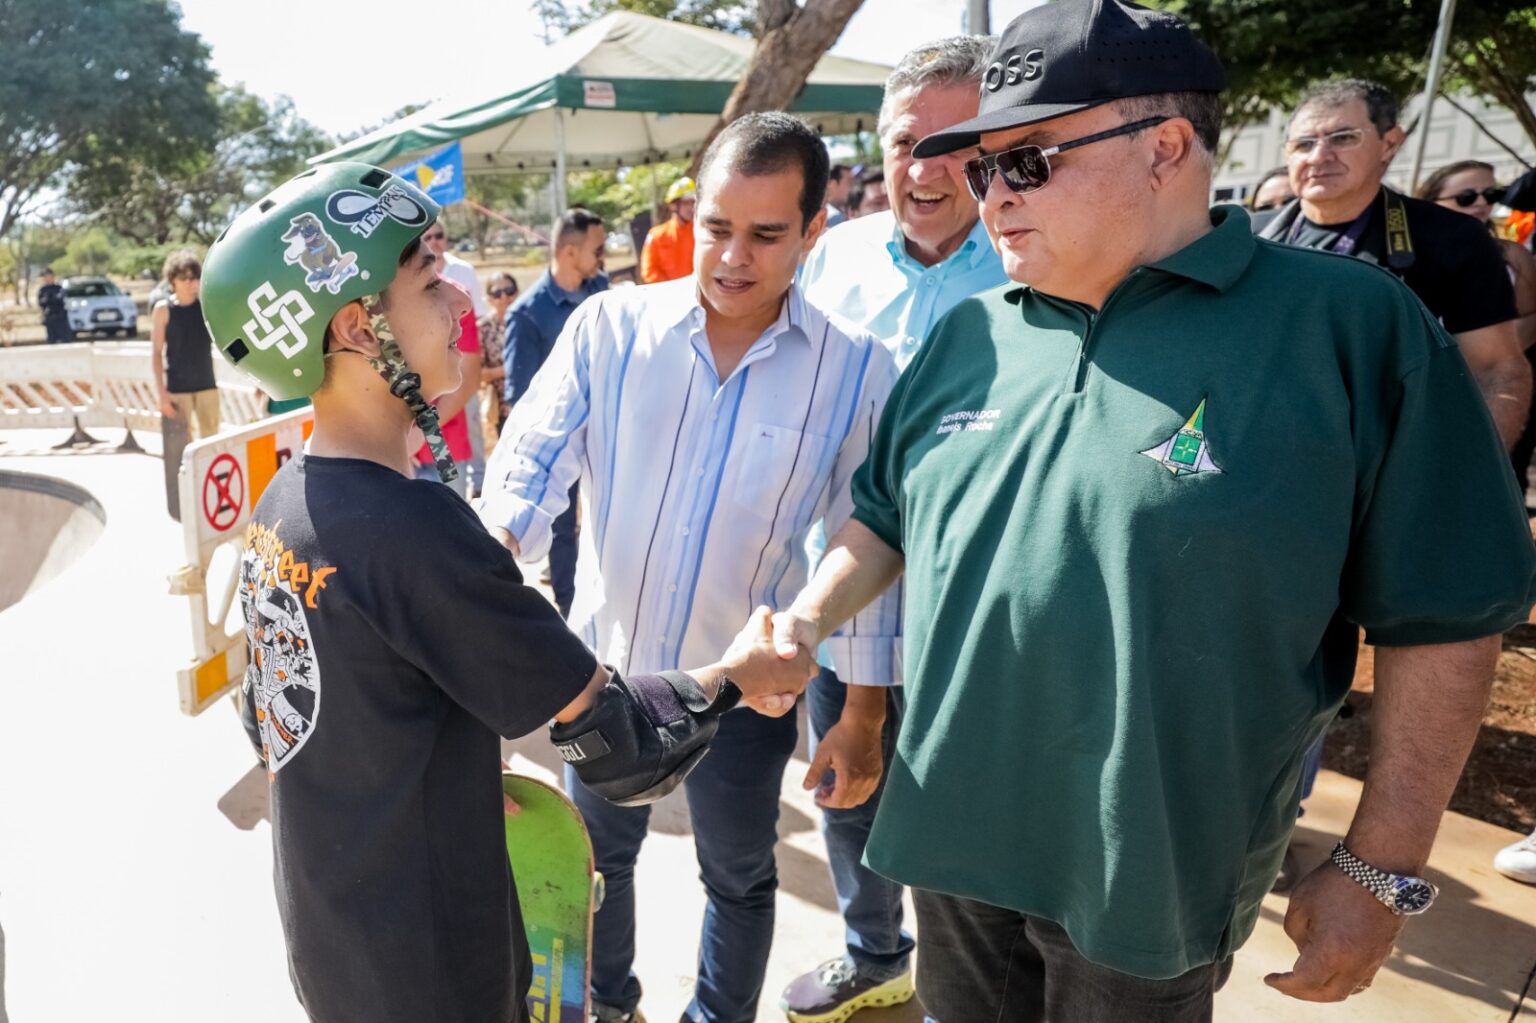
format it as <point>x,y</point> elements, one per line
<point>894,273</point>
<point>712,421</point>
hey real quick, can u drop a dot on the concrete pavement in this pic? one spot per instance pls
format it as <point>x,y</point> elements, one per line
<point>135,865</point>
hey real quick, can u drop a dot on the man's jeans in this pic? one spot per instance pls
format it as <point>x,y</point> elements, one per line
<point>982,963</point>
<point>733,801</point>
<point>870,904</point>
<point>562,555</point>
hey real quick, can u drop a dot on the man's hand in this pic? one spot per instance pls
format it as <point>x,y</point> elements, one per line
<point>793,633</point>
<point>769,681</point>
<point>850,752</point>
<point>506,539</point>
<point>167,406</point>
<point>1344,935</point>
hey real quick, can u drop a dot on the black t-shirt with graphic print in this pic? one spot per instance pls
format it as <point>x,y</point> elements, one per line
<point>392,640</point>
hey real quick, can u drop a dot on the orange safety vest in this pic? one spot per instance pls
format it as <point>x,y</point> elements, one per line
<point>668,252</point>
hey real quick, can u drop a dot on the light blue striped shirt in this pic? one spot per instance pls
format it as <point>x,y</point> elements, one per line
<point>862,271</point>
<point>697,494</point>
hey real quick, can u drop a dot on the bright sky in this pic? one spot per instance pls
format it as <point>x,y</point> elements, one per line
<point>347,65</point>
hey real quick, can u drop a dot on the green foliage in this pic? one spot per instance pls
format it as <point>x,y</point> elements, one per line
<point>83,78</point>
<point>1274,48</point>
<point>133,260</point>
<point>88,252</point>
<point>735,16</point>
<point>258,145</point>
<point>618,196</point>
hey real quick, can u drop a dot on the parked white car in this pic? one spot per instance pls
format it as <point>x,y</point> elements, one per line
<point>96,304</point>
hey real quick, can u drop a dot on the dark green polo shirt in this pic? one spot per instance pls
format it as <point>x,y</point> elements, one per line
<point>1138,543</point>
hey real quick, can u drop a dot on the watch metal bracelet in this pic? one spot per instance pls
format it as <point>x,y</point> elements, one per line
<point>1402,894</point>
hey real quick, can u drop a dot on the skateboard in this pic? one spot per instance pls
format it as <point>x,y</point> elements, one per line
<point>559,890</point>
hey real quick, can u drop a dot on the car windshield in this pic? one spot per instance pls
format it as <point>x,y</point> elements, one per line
<point>91,289</point>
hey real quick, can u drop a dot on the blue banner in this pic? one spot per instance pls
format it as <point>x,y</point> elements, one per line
<point>440,175</point>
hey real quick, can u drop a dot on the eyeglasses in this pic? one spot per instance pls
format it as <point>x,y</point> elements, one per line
<point>1027,169</point>
<point>1265,207</point>
<point>502,292</point>
<point>1306,145</point>
<point>1469,196</point>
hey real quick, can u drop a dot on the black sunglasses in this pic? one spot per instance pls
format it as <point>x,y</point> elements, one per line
<point>502,292</point>
<point>1468,196</point>
<point>1028,168</point>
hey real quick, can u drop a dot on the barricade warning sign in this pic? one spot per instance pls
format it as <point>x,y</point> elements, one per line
<point>222,478</point>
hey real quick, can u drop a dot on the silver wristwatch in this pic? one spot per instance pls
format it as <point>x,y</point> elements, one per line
<point>1403,895</point>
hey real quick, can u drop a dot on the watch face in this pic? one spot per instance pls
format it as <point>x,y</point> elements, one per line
<point>1412,894</point>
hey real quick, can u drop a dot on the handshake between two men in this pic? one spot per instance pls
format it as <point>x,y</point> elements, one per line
<point>633,740</point>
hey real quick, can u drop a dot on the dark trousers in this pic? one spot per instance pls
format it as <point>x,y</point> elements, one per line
<point>984,964</point>
<point>562,555</point>
<point>870,904</point>
<point>733,801</point>
<point>58,329</point>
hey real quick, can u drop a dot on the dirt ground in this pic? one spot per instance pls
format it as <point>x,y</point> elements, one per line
<point>1499,784</point>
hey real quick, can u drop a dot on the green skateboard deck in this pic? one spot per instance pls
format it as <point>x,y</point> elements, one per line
<point>551,859</point>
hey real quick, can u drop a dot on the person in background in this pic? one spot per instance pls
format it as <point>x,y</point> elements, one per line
<point>534,323</point>
<point>50,302</point>
<point>668,251</point>
<point>869,195</point>
<point>500,291</point>
<point>181,352</point>
<point>1340,142</point>
<point>462,273</point>
<point>1469,187</point>
<point>895,274</point>
<point>1272,192</point>
<point>453,407</point>
<point>838,186</point>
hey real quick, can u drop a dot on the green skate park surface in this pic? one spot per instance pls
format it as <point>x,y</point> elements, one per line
<point>135,856</point>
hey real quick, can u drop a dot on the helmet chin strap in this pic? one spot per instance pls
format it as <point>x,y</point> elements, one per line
<point>406,385</point>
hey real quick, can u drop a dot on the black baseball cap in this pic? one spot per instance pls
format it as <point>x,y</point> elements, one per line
<point>1071,55</point>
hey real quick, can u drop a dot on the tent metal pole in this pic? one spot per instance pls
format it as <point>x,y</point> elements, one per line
<point>559,180</point>
<point>1431,89</point>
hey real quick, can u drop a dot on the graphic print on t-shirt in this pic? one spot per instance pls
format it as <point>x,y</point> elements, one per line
<point>282,680</point>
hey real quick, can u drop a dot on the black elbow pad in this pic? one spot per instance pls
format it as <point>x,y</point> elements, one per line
<point>643,735</point>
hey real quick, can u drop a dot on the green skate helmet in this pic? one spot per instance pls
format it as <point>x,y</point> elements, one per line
<point>275,277</point>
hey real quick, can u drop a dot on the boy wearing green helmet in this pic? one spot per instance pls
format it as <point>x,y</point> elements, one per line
<point>384,595</point>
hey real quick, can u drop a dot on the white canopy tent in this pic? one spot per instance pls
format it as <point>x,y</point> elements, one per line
<point>626,90</point>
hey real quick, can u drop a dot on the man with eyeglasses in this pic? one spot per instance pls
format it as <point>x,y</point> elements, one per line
<point>1341,141</point>
<point>1143,499</point>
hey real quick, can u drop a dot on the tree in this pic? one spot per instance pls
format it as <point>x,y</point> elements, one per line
<point>258,145</point>
<point>80,78</point>
<point>734,16</point>
<point>793,39</point>
<point>1493,52</point>
<point>1274,48</point>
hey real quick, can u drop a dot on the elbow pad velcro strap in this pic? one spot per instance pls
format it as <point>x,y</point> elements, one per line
<point>642,735</point>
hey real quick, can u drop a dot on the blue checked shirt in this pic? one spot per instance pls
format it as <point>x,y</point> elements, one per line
<point>863,272</point>
<point>697,494</point>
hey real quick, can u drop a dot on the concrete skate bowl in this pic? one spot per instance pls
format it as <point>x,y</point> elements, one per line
<point>45,524</point>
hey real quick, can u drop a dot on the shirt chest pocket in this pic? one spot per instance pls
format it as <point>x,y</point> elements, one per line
<point>776,467</point>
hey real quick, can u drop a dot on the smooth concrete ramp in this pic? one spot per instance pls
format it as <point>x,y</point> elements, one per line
<point>45,524</point>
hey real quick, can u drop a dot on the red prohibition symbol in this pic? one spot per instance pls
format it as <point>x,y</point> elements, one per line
<point>223,492</point>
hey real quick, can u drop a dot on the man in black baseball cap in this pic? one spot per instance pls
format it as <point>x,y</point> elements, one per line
<point>1143,516</point>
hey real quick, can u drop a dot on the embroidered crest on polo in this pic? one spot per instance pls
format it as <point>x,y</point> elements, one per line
<point>1188,451</point>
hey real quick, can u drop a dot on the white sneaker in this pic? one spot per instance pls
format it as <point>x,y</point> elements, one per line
<point>1519,860</point>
